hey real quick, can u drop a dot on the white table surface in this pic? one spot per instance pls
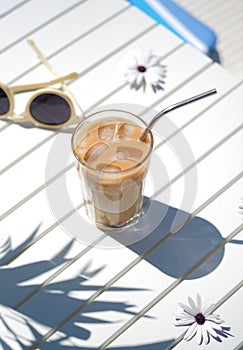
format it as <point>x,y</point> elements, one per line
<point>58,292</point>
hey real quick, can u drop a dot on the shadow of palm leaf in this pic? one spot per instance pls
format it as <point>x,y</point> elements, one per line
<point>59,298</point>
<point>151,346</point>
<point>7,253</point>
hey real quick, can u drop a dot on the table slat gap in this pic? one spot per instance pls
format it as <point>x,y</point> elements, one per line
<point>71,165</point>
<point>42,25</point>
<point>122,86</point>
<point>178,176</point>
<point>36,191</point>
<point>115,278</point>
<point>42,234</point>
<point>83,35</point>
<point>55,133</point>
<point>24,155</point>
<point>42,186</point>
<point>200,159</point>
<point>59,271</point>
<point>186,81</point>
<point>14,8</point>
<point>214,103</point>
<point>239,346</point>
<point>6,125</point>
<point>171,287</point>
<point>90,45</point>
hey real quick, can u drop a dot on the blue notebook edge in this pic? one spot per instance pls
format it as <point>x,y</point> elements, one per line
<point>180,22</point>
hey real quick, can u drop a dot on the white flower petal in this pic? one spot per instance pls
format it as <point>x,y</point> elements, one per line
<point>130,61</point>
<point>199,302</point>
<point>210,330</point>
<point>142,58</point>
<point>131,77</point>
<point>205,335</point>
<point>214,318</point>
<point>133,85</point>
<point>152,77</point>
<point>181,314</point>
<point>208,309</point>
<point>154,72</point>
<point>187,309</point>
<point>214,315</point>
<point>160,72</point>
<point>185,316</point>
<point>147,57</point>
<point>193,305</point>
<point>149,80</point>
<point>190,333</point>
<point>214,325</point>
<point>202,330</point>
<point>140,80</point>
<point>131,65</point>
<point>199,334</point>
<point>184,322</point>
<point>154,61</point>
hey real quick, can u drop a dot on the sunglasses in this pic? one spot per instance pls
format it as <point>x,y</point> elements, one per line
<point>47,108</point>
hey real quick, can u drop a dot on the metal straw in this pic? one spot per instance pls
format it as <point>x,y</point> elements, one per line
<point>174,106</point>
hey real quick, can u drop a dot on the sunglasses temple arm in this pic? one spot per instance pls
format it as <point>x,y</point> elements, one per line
<point>54,73</point>
<point>42,57</point>
<point>36,86</point>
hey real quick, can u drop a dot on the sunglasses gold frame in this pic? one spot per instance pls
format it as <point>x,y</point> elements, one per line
<point>10,91</point>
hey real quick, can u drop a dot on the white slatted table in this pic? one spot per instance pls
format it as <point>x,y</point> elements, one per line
<point>59,293</point>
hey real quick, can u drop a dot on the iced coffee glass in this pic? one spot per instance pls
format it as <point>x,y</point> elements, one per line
<point>112,164</point>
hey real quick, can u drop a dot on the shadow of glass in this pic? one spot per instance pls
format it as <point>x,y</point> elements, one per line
<point>181,250</point>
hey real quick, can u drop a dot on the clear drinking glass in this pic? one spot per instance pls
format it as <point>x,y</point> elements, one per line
<point>112,164</point>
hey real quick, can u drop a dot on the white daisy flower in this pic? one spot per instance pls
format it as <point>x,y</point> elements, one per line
<point>144,68</point>
<point>203,323</point>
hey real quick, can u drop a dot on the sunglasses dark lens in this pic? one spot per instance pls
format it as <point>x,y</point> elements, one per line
<point>51,109</point>
<point>4,102</point>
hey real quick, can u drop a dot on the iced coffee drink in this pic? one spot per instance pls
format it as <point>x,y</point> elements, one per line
<point>112,163</point>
